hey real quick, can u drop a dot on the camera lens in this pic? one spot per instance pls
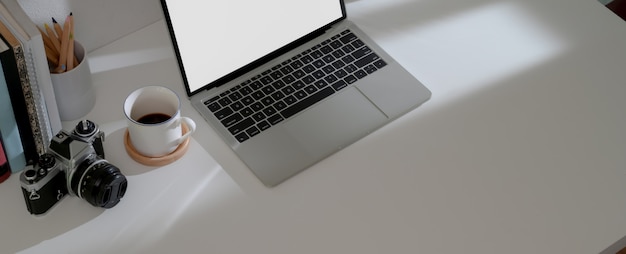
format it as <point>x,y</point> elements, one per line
<point>98,182</point>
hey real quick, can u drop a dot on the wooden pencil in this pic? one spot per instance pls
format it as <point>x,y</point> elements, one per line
<point>70,53</point>
<point>46,39</point>
<point>53,37</point>
<point>57,28</point>
<point>52,56</point>
<point>72,58</point>
<point>65,43</point>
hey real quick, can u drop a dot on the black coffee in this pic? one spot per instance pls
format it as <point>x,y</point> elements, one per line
<point>153,118</point>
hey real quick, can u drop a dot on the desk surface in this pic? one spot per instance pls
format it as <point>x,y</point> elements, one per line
<point>520,149</point>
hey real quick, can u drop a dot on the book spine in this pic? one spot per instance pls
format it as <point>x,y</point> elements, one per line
<point>38,100</point>
<point>5,169</point>
<point>9,130</point>
<point>31,104</point>
<point>18,102</point>
<point>44,81</point>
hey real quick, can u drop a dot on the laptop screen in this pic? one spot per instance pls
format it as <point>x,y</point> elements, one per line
<point>219,39</point>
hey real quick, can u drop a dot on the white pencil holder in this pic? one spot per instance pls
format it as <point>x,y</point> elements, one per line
<point>73,89</point>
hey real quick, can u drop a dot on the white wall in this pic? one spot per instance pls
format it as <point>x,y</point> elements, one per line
<point>97,22</point>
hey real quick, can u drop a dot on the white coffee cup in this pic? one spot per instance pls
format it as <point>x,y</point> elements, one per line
<point>154,121</point>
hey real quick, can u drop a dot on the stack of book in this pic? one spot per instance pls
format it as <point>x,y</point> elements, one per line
<point>29,115</point>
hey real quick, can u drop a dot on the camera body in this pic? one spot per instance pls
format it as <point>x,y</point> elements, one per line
<point>74,164</point>
<point>43,185</point>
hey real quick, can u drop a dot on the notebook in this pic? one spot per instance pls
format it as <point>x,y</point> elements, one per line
<point>286,83</point>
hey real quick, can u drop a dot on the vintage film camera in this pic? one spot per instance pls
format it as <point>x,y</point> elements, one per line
<point>74,164</point>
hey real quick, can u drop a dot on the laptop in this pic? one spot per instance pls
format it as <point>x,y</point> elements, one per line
<point>286,83</point>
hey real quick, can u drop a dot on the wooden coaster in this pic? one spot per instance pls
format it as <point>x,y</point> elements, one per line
<point>157,161</point>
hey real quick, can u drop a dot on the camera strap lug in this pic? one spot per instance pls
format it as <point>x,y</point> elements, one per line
<point>59,194</point>
<point>34,195</point>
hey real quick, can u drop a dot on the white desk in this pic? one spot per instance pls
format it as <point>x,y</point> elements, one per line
<point>520,150</point>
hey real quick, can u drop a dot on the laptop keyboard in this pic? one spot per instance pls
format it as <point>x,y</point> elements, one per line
<point>282,91</point>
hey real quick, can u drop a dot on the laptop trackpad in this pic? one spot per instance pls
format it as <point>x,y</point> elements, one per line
<point>335,123</point>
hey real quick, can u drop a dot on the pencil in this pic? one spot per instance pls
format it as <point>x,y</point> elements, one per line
<point>73,58</point>
<point>70,53</point>
<point>65,43</point>
<point>53,38</point>
<point>52,56</point>
<point>46,39</point>
<point>57,28</point>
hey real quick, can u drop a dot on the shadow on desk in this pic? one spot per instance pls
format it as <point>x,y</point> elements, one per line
<point>619,8</point>
<point>546,117</point>
<point>25,230</point>
<point>155,199</point>
<point>114,146</point>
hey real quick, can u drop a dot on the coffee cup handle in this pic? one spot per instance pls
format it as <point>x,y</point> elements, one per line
<point>191,125</point>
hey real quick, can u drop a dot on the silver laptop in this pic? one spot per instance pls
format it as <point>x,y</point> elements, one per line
<point>286,83</point>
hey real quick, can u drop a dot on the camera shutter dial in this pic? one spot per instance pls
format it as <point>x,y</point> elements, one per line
<point>46,161</point>
<point>85,128</point>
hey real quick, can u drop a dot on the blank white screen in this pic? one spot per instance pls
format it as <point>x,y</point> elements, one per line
<point>216,38</point>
